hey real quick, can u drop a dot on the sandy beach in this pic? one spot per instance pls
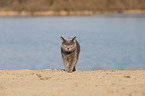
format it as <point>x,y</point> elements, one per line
<point>63,13</point>
<point>79,83</point>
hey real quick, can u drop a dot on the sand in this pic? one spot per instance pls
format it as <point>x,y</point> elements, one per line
<point>79,83</point>
<point>64,13</point>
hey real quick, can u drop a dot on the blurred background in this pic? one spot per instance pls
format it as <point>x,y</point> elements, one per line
<point>111,33</point>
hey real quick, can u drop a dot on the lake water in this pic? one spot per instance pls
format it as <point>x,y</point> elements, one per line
<point>108,42</point>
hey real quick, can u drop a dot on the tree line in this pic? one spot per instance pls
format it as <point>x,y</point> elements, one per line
<point>71,5</point>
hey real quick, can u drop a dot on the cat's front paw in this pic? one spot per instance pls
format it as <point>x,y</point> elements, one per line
<point>69,71</point>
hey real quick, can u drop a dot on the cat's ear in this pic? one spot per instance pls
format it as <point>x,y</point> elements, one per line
<point>74,39</point>
<point>62,39</point>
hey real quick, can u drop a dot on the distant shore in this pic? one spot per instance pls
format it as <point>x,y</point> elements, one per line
<point>63,13</point>
<point>79,83</point>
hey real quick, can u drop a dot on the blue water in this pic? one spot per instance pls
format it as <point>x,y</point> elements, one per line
<point>108,42</point>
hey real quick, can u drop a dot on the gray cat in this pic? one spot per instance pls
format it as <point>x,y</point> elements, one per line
<point>70,50</point>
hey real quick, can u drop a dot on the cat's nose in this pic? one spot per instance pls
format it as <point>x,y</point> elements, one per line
<point>68,48</point>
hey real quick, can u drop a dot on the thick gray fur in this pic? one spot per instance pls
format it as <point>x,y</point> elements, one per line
<point>70,50</point>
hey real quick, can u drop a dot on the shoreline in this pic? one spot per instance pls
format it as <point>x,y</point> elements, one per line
<point>56,82</point>
<point>64,13</point>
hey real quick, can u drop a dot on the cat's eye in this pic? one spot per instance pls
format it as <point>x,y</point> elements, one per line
<point>65,45</point>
